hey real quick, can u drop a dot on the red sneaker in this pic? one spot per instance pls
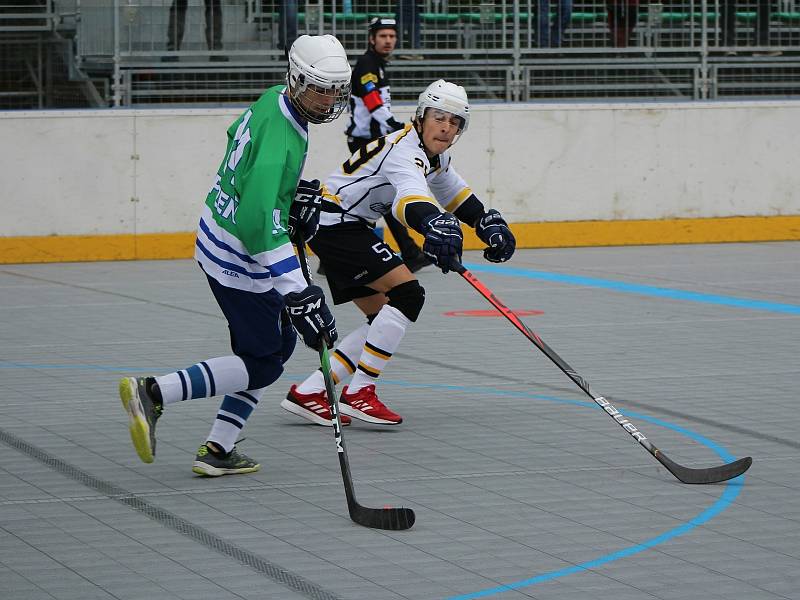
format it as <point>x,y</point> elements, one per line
<point>313,407</point>
<point>364,405</point>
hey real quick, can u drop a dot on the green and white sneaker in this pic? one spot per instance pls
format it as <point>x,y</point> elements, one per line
<point>206,463</point>
<point>143,411</point>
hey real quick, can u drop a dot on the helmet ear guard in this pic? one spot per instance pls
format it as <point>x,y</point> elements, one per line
<point>318,78</point>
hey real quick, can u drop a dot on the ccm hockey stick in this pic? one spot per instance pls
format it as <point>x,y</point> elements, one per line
<point>395,519</point>
<point>684,474</point>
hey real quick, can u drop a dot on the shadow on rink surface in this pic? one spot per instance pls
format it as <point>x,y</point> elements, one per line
<point>522,488</point>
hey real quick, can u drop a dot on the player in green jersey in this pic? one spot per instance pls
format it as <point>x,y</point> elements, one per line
<point>243,247</point>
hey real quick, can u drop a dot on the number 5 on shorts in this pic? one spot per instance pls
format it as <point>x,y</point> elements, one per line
<point>383,250</point>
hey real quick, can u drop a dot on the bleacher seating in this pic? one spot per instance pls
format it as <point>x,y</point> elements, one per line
<point>487,46</point>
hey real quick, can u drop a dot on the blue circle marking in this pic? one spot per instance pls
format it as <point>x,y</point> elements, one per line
<point>732,489</point>
<point>730,493</point>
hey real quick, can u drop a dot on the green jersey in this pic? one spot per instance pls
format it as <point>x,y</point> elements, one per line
<point>242,238</point>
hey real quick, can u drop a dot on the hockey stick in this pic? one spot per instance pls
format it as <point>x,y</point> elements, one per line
<point>684,474</point>
<point>395,519</point>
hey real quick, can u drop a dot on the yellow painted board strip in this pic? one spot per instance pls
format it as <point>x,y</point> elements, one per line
<point>152,246</point>
<point>79,248</point>
<point>564,234</point>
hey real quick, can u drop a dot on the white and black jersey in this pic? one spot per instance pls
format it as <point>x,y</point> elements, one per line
<point>391,173</point>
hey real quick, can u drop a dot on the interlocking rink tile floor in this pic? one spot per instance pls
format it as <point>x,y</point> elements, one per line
<point>522,486</point>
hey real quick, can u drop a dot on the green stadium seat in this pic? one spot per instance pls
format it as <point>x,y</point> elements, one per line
<point>746,16</point>
<point>588,17</point>
<point>439,18</point>
<point>673,17</point>
<point>576,18</point>
<point>473,17</point>
<point>579,17</point>
<point>787,17</point>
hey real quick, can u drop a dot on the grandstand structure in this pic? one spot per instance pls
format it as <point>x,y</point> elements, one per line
<point>102,53</point>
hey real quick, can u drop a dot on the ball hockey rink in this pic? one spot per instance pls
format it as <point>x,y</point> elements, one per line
<point>522,487</point>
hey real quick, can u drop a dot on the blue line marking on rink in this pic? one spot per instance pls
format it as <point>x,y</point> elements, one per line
<point>729,494</point>
<point>638,288</point>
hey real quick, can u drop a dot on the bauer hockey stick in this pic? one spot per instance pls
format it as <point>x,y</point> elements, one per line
<point>395,519</point>
<point>684,474</point>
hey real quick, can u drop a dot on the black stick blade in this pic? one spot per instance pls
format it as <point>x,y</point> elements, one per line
<point>710,475</point>
<point>393,519</point>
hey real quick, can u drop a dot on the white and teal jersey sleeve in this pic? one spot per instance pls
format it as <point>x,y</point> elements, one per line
<point>242,239</point>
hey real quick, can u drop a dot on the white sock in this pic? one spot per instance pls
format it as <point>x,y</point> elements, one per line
<point>383,338</point>
<point>212,377</point>
<point>343,362</point>
<point>232,416</point>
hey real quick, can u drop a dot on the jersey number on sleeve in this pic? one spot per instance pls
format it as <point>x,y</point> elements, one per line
<point>240,141</point>
<point>360,158</point>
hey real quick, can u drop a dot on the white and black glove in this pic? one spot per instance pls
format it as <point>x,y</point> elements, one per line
<point>304,211</point>
<point>494,232</point>
<point>311,317</point>
<point>444,240</point>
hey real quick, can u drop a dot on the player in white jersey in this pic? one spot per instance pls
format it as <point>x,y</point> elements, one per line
<point>409,173</point>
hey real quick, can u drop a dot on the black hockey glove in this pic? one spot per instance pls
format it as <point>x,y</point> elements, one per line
<point>394,124</point>
<point>494,232</point>
<point>304,211</point>
<point>444,240</point>
<point>311,317</point>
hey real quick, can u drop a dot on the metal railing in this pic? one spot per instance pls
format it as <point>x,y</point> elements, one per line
<point>225,51</point>
<point>30,16</point>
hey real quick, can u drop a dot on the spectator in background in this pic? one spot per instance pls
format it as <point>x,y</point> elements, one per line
<point>551,35</point>
<point>177,26</point>
<point>409,20</point>
<point>622,16</point>
<point>287,30</point>
<point>727,9</point>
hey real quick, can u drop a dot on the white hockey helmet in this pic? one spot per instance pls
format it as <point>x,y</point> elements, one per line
<point>446,96</point>
<point>318,78</point>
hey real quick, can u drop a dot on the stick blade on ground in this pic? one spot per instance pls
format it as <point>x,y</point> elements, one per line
<point>393,519</point>
<point>710,475</point>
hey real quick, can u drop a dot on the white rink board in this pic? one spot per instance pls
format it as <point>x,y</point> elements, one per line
<point>148,171</point>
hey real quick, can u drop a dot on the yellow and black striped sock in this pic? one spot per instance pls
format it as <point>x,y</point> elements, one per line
<point>384,336</point>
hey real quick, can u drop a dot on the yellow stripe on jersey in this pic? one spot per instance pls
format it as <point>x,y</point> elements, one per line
<point>403,133</point>
<point>400,209</point>
<point>453,205</point>
<point>332,197</point>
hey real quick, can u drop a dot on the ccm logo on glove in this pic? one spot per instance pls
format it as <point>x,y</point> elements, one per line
<point>304,211</point>
<point>311,317</point>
